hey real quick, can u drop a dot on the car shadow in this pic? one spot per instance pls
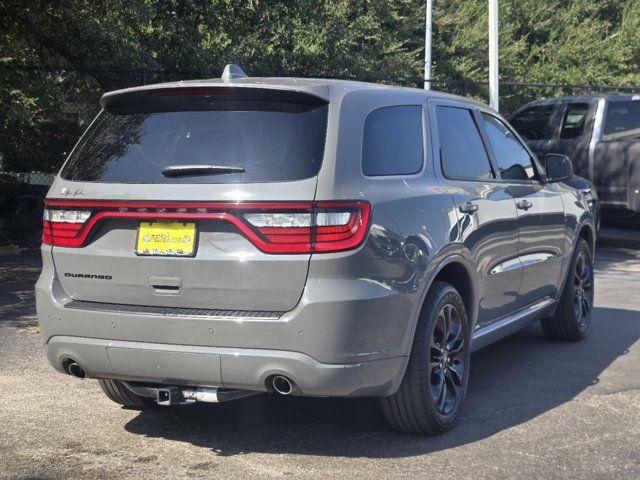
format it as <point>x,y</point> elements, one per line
<point>512,382</point>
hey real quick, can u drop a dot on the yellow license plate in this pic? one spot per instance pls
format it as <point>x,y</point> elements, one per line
<point>166,239</point>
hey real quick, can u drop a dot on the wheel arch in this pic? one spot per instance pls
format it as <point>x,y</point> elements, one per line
<point>457,271</point>
<point>586,231</point>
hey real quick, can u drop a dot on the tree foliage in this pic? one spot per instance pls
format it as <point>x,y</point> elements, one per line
<point>555,41</point>
<point>55,54</point>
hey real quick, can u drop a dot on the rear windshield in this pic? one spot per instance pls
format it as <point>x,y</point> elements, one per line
<point>623,121</point>
<point>271,141</point>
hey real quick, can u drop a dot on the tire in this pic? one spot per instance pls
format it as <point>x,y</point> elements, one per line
<point>572,318</point>
<point>417,406</point>
<point>117,392</point>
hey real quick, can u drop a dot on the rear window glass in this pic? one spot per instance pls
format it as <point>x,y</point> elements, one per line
<point>271,141</point>
<point>534,123</point>
<point>623,121</point>
<point>574,120</point>
<point>392,143</point>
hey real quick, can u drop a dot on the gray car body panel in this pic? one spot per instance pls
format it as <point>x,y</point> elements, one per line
<point>339,323</point>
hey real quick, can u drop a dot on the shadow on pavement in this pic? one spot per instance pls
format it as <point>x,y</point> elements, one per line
<point>18,275</point>
<point>512,381</point>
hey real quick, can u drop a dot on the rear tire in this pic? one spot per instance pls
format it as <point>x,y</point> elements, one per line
<point>435,382</point>
<point>572,319</point>
<point>117,392</point>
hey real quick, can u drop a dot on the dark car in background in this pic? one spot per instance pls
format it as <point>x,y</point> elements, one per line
<point>601,135</point>
<point>20,203</point>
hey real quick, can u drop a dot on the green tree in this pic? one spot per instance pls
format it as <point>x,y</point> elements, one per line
<point>360,39</point>
<point>55,54</point>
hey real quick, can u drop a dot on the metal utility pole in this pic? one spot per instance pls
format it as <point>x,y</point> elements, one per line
<point>493,55</point>
<point>427,45</point>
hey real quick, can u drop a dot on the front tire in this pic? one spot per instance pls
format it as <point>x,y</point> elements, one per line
<point>572,319</point>
<point>117,392</point>
<point>435,382</point>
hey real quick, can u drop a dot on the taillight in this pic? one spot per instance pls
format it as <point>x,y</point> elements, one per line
<point>318,227</point>
<point>328,227</point>
<point>63,227</point>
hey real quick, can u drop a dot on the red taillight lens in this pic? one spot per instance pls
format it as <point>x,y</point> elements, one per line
<point>328,227</point>
<point>318,227</point>
<point>63,227</point>
<point>340,226</point>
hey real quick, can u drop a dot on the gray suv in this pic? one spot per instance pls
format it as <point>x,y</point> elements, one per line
<point>209,240</point>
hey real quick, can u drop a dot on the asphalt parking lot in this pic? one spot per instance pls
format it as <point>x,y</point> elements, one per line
<point>535,409</point>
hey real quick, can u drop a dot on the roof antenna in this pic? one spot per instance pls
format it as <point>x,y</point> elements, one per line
<point>231,72</point>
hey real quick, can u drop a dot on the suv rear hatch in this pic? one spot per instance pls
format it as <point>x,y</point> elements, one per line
<point>197,198</point>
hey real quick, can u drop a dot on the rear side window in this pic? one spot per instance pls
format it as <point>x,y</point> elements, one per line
<point>574,120</point>
<point>513,159</point>
<point>272,141</point>
<point>392,142</point>
<point>462,151</point>
<point>534,123</point>
<point>623,121</point>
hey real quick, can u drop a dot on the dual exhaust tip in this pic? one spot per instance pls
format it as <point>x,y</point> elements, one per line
<point>75,370</point>
<point>282,385</point>
<point>279,383</point>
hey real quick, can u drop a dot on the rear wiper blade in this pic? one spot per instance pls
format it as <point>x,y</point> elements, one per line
<point>186,170</point>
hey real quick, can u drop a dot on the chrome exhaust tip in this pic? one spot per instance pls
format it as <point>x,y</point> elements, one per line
<point>282,385</point>
<point>76,370</point>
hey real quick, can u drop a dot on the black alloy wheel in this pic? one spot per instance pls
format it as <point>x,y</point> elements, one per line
<point>583,283</point>
<point>447,370</point>
<point>572,317</point>
<point>432,390</point>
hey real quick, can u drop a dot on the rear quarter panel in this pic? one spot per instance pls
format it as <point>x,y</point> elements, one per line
<point>413,229</point>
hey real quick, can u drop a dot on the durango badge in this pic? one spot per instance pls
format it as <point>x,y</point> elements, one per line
<point>88,275</point>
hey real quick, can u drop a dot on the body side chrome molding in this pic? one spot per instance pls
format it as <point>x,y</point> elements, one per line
<point>532,258</point>
<point>520,262</point>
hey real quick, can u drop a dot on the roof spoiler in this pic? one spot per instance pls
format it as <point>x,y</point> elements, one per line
<point>204,97</point>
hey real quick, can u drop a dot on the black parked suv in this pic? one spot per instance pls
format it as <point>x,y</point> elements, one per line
<point>601,135</point>
<point>209,240</point>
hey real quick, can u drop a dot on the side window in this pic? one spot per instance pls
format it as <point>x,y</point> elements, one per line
<point>575,117</point>
<point>392,143</point>
<point>514,162</point>
<point>534,123</point>
<point>462,151</point>
<point>623,121</point>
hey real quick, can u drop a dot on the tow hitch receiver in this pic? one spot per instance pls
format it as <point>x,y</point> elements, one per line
<point>175,395</point>
<point>188,395</point>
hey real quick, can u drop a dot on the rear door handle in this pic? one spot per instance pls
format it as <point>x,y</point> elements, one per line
<point>469,208</point>
<point>524,205</point>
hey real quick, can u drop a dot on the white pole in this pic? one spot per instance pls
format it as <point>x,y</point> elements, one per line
<point>427,45</point>
<point>493,54</point>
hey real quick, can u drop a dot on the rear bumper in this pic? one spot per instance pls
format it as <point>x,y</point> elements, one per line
<point>245,369</point>
<point>343,339</point>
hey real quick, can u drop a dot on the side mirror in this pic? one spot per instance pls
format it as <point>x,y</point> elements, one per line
<point>558,167</point>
